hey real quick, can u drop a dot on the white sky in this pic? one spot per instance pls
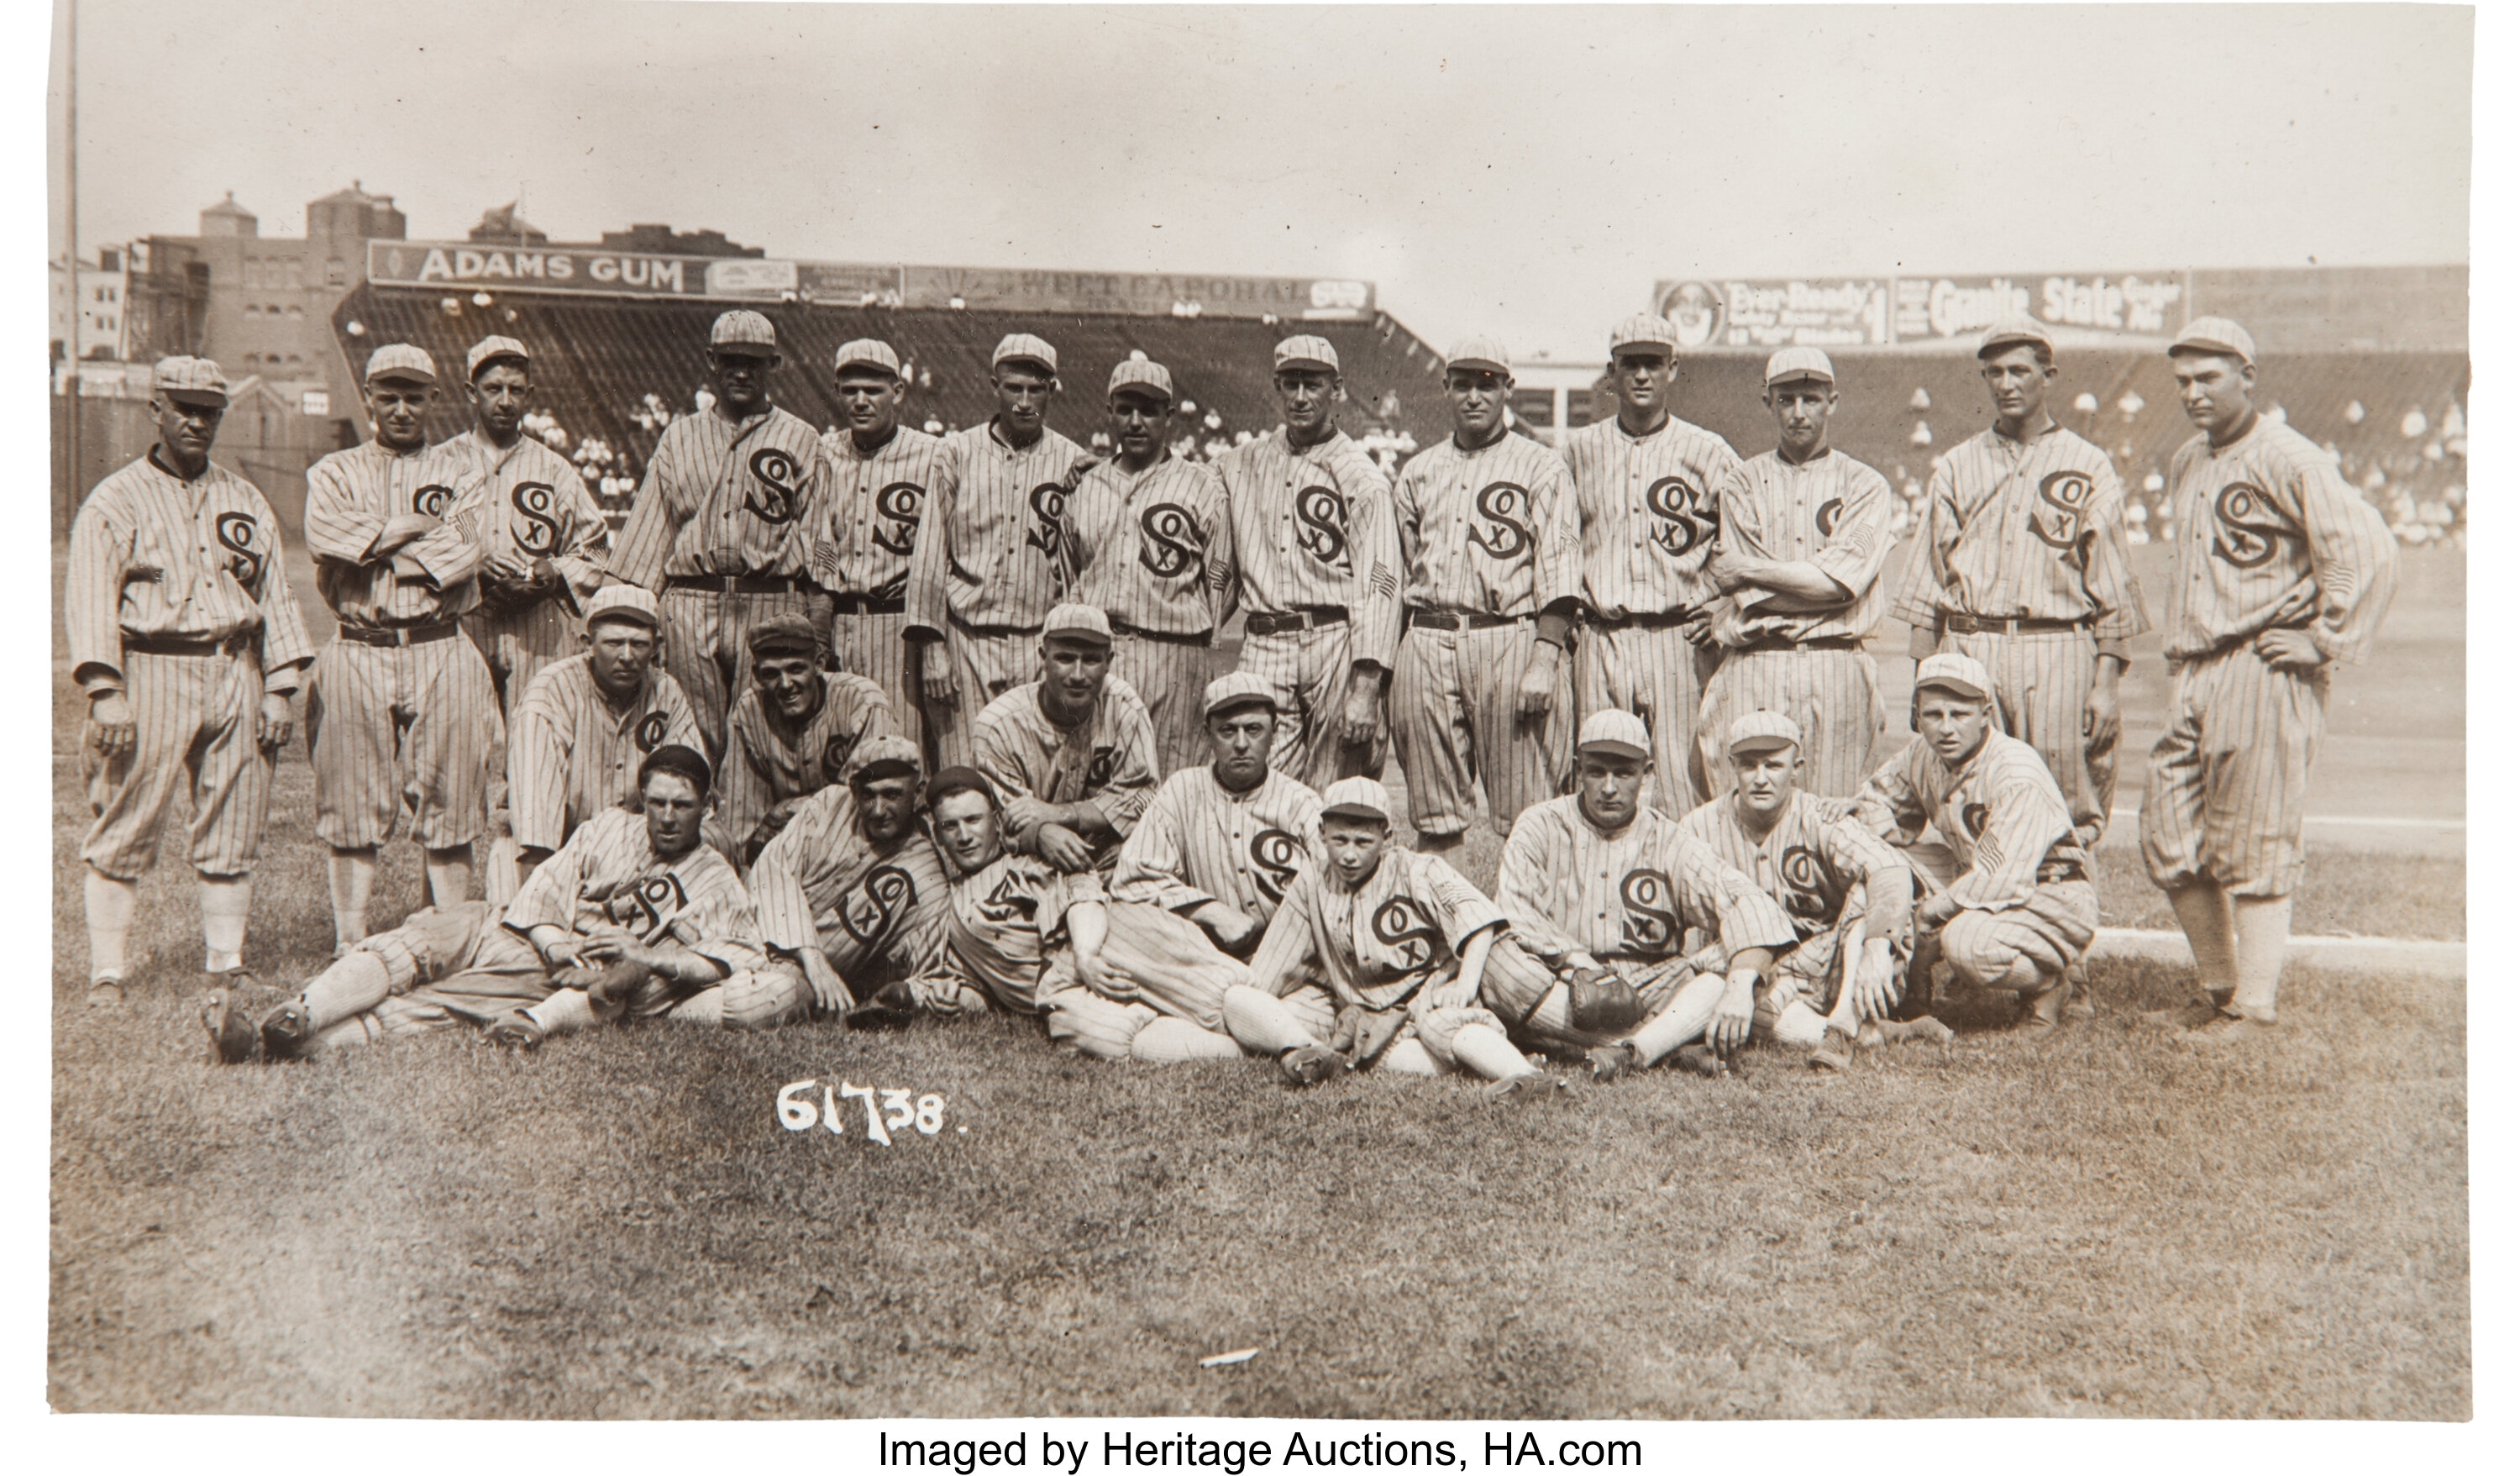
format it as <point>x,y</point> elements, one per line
<point>1528,171</point>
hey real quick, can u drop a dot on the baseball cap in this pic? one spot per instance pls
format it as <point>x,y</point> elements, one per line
<point>1612,730</point>
<point>1306,351</point>
<point>1645,330</point>
<point>188,381</point>
<point>1756,732</point>
<point>621,601</point>
<point>677,758</point>
<point>1478,352</point>
<point>745,331</point>
<point>1237,688</point>
<point>872,353</point>
<point>1077,622</point>
<point>1023,349</point>
<point>780,636</point>
<point>1787,364</point>
<point>492,347</point>
<point>1357,797</point>
<point>1141,374</point>
<point>402,360</point>
<point>1954,672</point>
<point>885,756</point>
<point>2015,327</point>
<point>2217,336</point>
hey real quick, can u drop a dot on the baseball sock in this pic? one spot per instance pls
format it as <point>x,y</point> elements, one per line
<point>566,1010</point>
<point>109,901</point>
<point>1170,1041</point>
<point>1408,1057</point>
<point>2205,915</point>
<point>1681,1020</point>
<point>353,875</point>
<point>1488,1054</point>
<point>450,875</point>
<point>2264,925</point>
<point>1262,1022</point>
<point>357,982</point>
<point>225,900</point>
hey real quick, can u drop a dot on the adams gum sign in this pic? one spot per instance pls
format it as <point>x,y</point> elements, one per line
<point>634,273</point>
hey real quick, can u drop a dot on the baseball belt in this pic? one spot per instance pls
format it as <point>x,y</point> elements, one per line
<point>1307,617</point>
<point>1783,643</point>
<point>868,605</point>
<point>1462,620</point>
<point>969,628</point>
<point>2005,625</point>
<point>742,583</point>
<point>401,635</point>
<point>1175,637</point>
<point>1641,620</point>
<point>179,646</point>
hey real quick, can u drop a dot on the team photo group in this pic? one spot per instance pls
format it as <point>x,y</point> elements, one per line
<point>875,726</point>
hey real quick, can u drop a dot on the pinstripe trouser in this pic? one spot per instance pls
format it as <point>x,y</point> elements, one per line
<point>1171,677</point>
<point>870,643</point>
<point>1155,963</point>
<point>1524,993</point>
<point>1455,720</point>
<point>705,649</point>
<point>1653,674</point>
<point>985,665</point>
<point>1834,697</point>
<point>433,701</point>
<point>2041,681</point>
<point>1307,670</point>
<point>519,641</point>
<point>193,719</point>
<point>2223,796</point>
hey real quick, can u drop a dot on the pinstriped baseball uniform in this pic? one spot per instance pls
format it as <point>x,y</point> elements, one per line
<point>1200,842</point>
<point>766,762</point>
<point>725,498</point>
<point>574,755</point>
<point>1832,511</point>
<point>1491,532</point>
<point>1109,759</point>
<point>1838,883</point>
<point>529,502</point>
<point>987,569</point>
<point>1313,531</point>
<point>2034,531</point>
<point>2019,876</point>
<point>876,914</point>
<point>156,559</point>
<point>433,693</point>
<point>1648,505</point>
<point>1154,551</point>
<point>877,499</point>
<point>1627,902</point>
<point>2267,535</point>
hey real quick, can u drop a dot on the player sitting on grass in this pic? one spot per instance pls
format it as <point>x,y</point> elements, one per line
<point>1402,943</point>
<point>1603,893</point>
<point>2009,903</point>
<point>1072,753</point>
<point>1035,940</point>
<point>791,734</point>
<point>1846,891</point>
<point>631,913</point>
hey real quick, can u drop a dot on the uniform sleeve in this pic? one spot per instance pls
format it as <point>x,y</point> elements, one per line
<point>925,594</point>
<point>1279,965</point>
<point>549,897</point>
<point>92,593</point>
<point>1133,775</point>
<point>744,790</point>
<point>1557,531</point>
<point>1060,893</point>
<point>1722,900</point>
<point>446,554</point>
<point>1920,583</point>
<point>2356,558</point>
<point>920,935</point>
<point>1523,870</point>
<point>720,923</point>
<point>1857,547</point>
<point>1738,516</point>
<point>1889,805</point>
<point>1153,866</point>
<point>584,539</point>
<point>538,768</point>
<point>338,525</point>
<point>1889,895</point>
<point>994,755</point>
<point>2109,572</point>
<point>681,726</point>
<point>2003,864</point>
<point>1373,533</point>
<point>1220,580</point>
<point>286,644</point>
<point>778,900</point>
<point>1465,909</point>
<point>648,535</point>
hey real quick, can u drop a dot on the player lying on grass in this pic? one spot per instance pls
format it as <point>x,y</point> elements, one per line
<point>1034,940</point>
<point>791,734</point>
<point>1847,893</point>
<point>1072,753</point>
<point>2009,903</point>
<point>1400,944</point>
<point>1604,894</point>
<point>631,913</point>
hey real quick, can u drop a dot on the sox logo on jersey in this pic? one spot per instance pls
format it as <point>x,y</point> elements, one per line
<point>1653,924</point>
<point>536,531</point>
<point>1171,546</point>
<point>236,533</point>
<point>1807,882</point>
<point>1005,901</point>
<point>1826,520</point>
<point>868,910</point>
<point>1322,512</point>
<point>775,495</point>
<point>2250,526</point>
<point>835,755</point>
<point>2067,499</point>
<point>648,906</point>
<point>898,506</point>
<point>1048,504</point>
<point>1679,525</point>
<point>433,499</point>
<point>1402,924</point>
<point>650,732</point>
<point>1505,506</point>
<point>1274,856</point>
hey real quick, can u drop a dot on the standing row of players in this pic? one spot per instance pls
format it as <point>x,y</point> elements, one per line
<point>1665,565</point>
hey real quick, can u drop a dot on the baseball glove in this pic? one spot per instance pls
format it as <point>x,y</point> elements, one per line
<point>607,989</point>
<point>1600,1003</point>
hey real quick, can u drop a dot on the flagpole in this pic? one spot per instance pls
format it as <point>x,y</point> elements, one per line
<point>70,190</point>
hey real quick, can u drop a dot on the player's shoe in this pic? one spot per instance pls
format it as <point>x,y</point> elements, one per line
<point>2189,1016</point>
<point>515,1031</point>
<point>2230,1030</point>
<point>1611,1061</point>
<point>1834,1052</point>
<point>1924,1028</point>
<point>2043,1014</point>
<point>1308,1065</point>
<point>105,994</point>
<point>287,1030</point>
<point>1700,1059</point>
<point>2079,1004</point>
<point>234,1041</point>
<point>1524,1088</point>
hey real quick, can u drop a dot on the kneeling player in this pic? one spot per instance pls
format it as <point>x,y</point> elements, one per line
<point>1403,944</point>
<point>2009,903</point>
<point>1036,940</point>
<point>1603,893</point>
<point>1846,891</point>
<point>632,912</point>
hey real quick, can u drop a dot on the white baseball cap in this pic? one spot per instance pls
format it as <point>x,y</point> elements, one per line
<point>1612,730</point>
<point>621,601</point>
<point>872,353</point>
<point>495,346</point>
<point>402,360</point>
<point>1141,374</point>
<point>1480,351</point>
<point>1953,672</point>
<point>1357,797</point>
<point>1787,364</point>
<point>1645,331</point>
<point>1236,689</point>
<point>1077,620</point>
<point>1753,731</point>
<point>1018,348</point>
<point>2217,336</point>
<point>1306,351</point>
<point>743,328</point>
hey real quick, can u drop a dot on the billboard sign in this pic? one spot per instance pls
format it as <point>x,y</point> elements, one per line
<point>1776,313</point>
<point>1140,293</point>
<point>542,269</point>
<point>2136,304</point>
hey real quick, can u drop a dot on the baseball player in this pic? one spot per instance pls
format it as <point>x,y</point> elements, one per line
<point>1074,753</point>
<point>2008,897</point>
<point>1317,560</point>
<point>631,913</point>
<point>399,709</point>
<point>1146,543</point>
<point>791,732</point>
<point>1035,940</point>
<point>1376,960</point>
<point>1848,894</point>
<point>589,722</point>
<point>1804,530</point>
<point>1490,544</point>
<point>187,641</point>
<point>1604,892</point>
<point>987,566</point>
<point>542,536</point>
<point>1645,492</point>
<point>2023,563</point>
<point>882,474</point>
<point>2282,572</point>
<point>725,524</point>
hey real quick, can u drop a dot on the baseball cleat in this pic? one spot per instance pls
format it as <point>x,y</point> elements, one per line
<point>1526,1086</point>
<point>287,1030</point>
<point>1834,1052</point>
<point>1611,1061</point>
<point>1308,1065</point>
<point>1923,1028</point>
<point>2228,1030</point>
<point>1701,1061</point>
<point>2043,1014</point>
<point>2189,1016</point>
<point>515,1031</point>
<point>105,994</point>
<point>234,1041</point>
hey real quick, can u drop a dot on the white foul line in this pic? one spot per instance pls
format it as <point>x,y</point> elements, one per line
<point>2381,822</point>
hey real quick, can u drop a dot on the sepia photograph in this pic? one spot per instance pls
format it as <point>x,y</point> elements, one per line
<point>1394,721</point>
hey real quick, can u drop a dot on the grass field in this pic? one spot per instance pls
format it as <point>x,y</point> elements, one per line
<point>620,1227</point>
